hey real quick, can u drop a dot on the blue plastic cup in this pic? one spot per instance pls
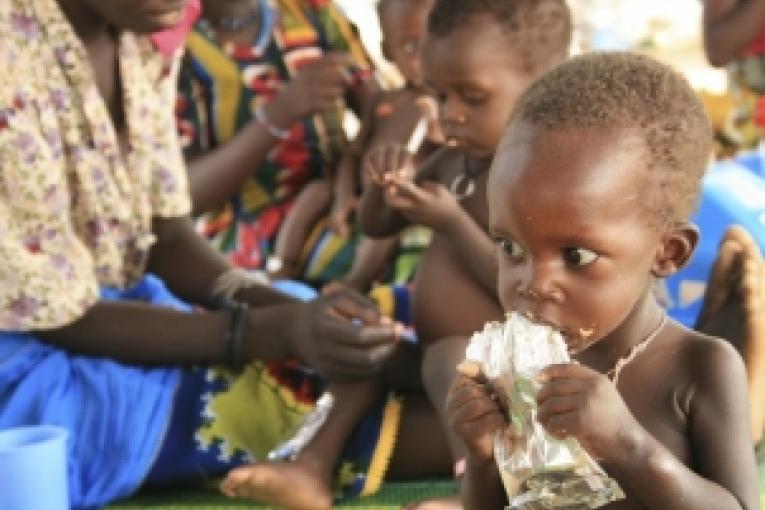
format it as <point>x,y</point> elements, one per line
<point>33,468</point>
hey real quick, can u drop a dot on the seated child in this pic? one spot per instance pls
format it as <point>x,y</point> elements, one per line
<point>589,198</point>
<point>478,57</point>
<point>734,309</point>
<point>395,116</point>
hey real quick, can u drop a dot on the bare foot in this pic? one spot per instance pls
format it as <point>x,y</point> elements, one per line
<point>453,503</point>
<point>296,485</point>
<point>734,309</point>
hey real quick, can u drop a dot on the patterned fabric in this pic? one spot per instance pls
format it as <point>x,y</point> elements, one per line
<point>224,419</point>
<point>220,87</point>
<point>746,86</point>
<point>75,213</point>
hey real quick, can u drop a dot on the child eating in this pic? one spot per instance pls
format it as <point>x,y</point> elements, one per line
<point>589,198</point>
<point>477,58</point>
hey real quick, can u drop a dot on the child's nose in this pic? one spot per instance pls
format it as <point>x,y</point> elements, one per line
<point>540,285</point>
<point>451,112</point>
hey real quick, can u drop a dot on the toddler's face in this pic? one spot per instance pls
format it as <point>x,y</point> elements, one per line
<point>403,24</point>
<point>476,80</point>
<point>575,248</point>
<point>142,16</point>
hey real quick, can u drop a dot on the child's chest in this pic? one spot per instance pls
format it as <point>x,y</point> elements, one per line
<point>467,183</point>
<point>661,406</point>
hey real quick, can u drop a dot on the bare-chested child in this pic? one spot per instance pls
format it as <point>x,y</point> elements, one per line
<point>477,58</point>
<point>392,117</point>
<point>589,198</point>
<point>734,309</point>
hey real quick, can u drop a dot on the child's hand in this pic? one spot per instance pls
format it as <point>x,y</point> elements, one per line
<point>473,414</point>
<point>389,161</point>
<point>579,402</point>
<point>340,215</point>
<point>429,204</point>
<point>318,86</point>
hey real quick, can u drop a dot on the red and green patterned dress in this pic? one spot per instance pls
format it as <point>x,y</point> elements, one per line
<point>219,89</point>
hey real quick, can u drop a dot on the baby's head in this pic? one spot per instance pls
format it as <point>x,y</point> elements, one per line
<point>591,189</point>
<point>403,24</point>
<point>480,55</point>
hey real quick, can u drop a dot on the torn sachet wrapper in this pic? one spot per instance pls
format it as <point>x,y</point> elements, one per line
<point>538,470</point>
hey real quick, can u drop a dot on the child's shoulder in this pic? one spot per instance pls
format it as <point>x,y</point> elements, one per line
<point>708,362</point>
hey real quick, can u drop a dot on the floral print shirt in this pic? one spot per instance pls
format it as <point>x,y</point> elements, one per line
<point>75,213</point>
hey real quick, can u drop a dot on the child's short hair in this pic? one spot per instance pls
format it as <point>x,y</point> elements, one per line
<point>634,93</point>
<point>540,29</point>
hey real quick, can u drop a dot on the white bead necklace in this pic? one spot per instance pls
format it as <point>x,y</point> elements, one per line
<point>636,349</point>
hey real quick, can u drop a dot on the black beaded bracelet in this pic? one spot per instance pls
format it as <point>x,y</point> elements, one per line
<point>236,328</point>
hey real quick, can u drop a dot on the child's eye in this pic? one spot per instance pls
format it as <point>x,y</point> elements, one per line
<point>511,248</point>
<point>575,256</point>
<point>472,96</point>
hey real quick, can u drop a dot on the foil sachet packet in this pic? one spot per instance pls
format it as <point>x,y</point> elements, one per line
<point>538,470</point>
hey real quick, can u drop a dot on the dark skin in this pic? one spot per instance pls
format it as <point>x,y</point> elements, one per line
<point>218,175</point>
<point>290,327</point>
<point>733,309</point>
<point>729,26</point>
<point>133,328</point>
<point>476,85</point>
<point>389,118</point>
<point>476,82</point>
<point>661,437</point>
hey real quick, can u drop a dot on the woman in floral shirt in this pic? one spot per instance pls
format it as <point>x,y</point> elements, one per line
<point>93,195</point>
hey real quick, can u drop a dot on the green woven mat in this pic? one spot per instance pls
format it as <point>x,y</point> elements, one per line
<point>391,496</point>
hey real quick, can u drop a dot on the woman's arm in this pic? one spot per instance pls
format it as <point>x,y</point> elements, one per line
<point>729,26</point>
<point>217,176</point>
<point>136,332</point>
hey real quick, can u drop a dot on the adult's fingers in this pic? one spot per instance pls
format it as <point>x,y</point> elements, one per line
<point>350,359</point>
<point>351,306</point>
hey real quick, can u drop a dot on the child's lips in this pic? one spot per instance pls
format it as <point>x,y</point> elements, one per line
<point>577,339</point>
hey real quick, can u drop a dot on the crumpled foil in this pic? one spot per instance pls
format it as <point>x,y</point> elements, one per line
<point>538,470</point>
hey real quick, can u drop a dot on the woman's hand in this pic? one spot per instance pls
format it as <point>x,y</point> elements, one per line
<point>342,335</point>
<point>317,87</point>
<point>579,402</point>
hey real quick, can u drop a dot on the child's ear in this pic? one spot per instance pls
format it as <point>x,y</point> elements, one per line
<point>677,247</point>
